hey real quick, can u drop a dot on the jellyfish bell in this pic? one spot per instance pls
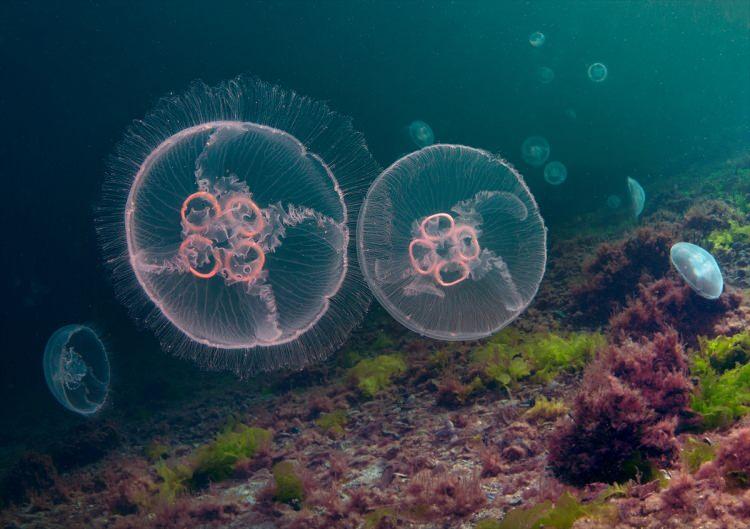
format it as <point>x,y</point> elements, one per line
<point>614,201</point>
<point>597,72</point>
<point>698,268</point>
<point>545,74</point>
<point>555,173</point>
<point>76,369</point>
<point>637,196</point>
<point>537,39</point>
<point>451,242</point>
<point>230,211</point>
<point>421,133</point>
<point>535,150</point>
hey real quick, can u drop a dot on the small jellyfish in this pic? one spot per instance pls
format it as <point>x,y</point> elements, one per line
<point>698,268</point>
<point>555,173</point>
<point>537,39</point>
<point>571,113</point>
<point>545,74</point>
<point>232,210</point>
<point>637,196</point>
<point>451,242</point>
<point>76,369</point>
<point>421,133</point>
<point>597,72</point>
<point>614,201</point>
<point>535,151</point>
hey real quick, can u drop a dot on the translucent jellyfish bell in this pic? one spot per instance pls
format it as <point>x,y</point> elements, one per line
<point>698,268</point>
<point>421,133</point>
<point>451,242</point>
<point>545,74</point>
<point>637,196</point>
<point>76,369</point>
<point>597,72</point>
<point>232,209</point>
<point>537,39</point>
<point>555,173</point>
<point>614,201</point>
<point>535,150</point>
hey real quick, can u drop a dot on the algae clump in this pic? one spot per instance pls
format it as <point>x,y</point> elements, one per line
<point>289,487</point>
<point>722,368</point>
<point>373,375</point>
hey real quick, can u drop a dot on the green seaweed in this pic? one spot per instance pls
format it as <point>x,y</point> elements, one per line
<point>373,375</point>
<point>333,423</point>
<point>510,357</point>
<point>378,516</point>
<point>289,487</point>
<point>216,460</point>
<point>726,352</point>
<point>155,451</point>
<point>722,240</point>
<point>695,453</point>
<point>175,481</point>
<point>545,410</point>
<point>721,366</point>
<point>562,515</point>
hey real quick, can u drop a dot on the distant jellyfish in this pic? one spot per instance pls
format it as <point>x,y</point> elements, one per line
<point>614,201</point>
<point>537,39</point>
<point>76,369</point>
<point>698,268</point>
<point>545,74</point>
<point>637,196</point>
<point>231,209</point>
<point>571,113</point>
<point>451,242</point>
<point>421,133</point>
<point>555,173</point>
<point>597,72</point>
<point>535,151</point>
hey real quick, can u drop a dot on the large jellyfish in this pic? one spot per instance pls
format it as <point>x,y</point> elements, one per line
<point>232,208</point>
<point>421,133</point>
<point>451,242</point>
<point>76,369</point>
<point>535,150</point>
<point>698,268</point>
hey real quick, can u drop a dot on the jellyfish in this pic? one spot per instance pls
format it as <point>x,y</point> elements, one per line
<point>637,196</point>
<point>698,268</point>
<point>231,209</point>
<point>545,74</point>
<point>597,72</point>
<point>571,113</point>
<point>614,201</point>
<point>555,173</point>
<point>76,369</point>
<point>451,242</point>
<point>535,151</point>
<point>537,39</point>
<point>421,133</point>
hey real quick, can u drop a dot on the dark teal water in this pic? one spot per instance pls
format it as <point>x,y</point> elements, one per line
<point>75,74</point>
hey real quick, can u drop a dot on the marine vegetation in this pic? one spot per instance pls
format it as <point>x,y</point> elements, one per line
<point>722,240</point>
<point>373,375</point>
<point>212,462</point>
<point>617,269</point>
<point>511,356</point>
<point>624,416</point>
<point>723,372</point>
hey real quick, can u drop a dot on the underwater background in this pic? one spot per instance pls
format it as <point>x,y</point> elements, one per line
<point>675,108</point>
